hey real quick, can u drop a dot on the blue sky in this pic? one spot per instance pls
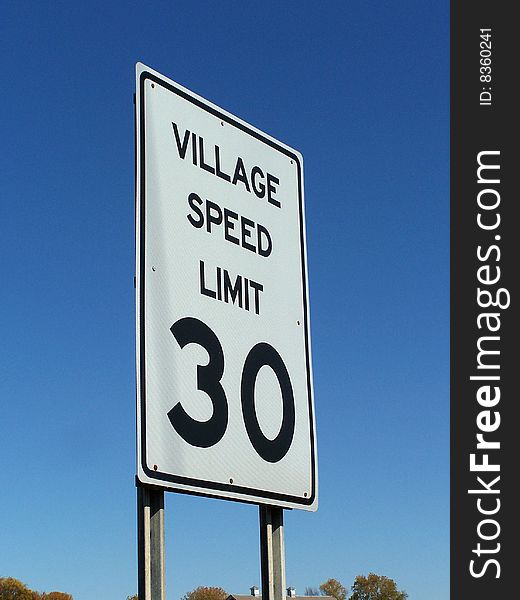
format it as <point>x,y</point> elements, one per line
<point>361,89</point>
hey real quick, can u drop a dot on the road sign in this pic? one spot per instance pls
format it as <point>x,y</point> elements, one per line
<point>225,402</point>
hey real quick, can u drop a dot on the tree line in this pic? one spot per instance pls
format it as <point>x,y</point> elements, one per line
<point>370,587</point>
<point>12,589</point>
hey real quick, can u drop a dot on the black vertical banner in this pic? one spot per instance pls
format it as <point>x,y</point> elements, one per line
<point>485,250</point>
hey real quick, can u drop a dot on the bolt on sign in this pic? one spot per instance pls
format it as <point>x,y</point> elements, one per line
<point>225,400</point>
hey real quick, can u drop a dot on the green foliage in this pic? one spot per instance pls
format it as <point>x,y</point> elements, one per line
<point>206,593</point>
<point>332,587</point>
<point>134,597</point>
<point>376,587</point>
<point>12,589</point>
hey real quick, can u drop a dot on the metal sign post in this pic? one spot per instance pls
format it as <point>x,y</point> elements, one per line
<point>150,528</point>
<point>272,553</point>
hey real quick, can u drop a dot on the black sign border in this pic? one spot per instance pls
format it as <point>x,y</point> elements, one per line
<point>160,476</point>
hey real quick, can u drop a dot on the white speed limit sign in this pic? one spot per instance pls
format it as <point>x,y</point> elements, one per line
<point>225,401</point>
